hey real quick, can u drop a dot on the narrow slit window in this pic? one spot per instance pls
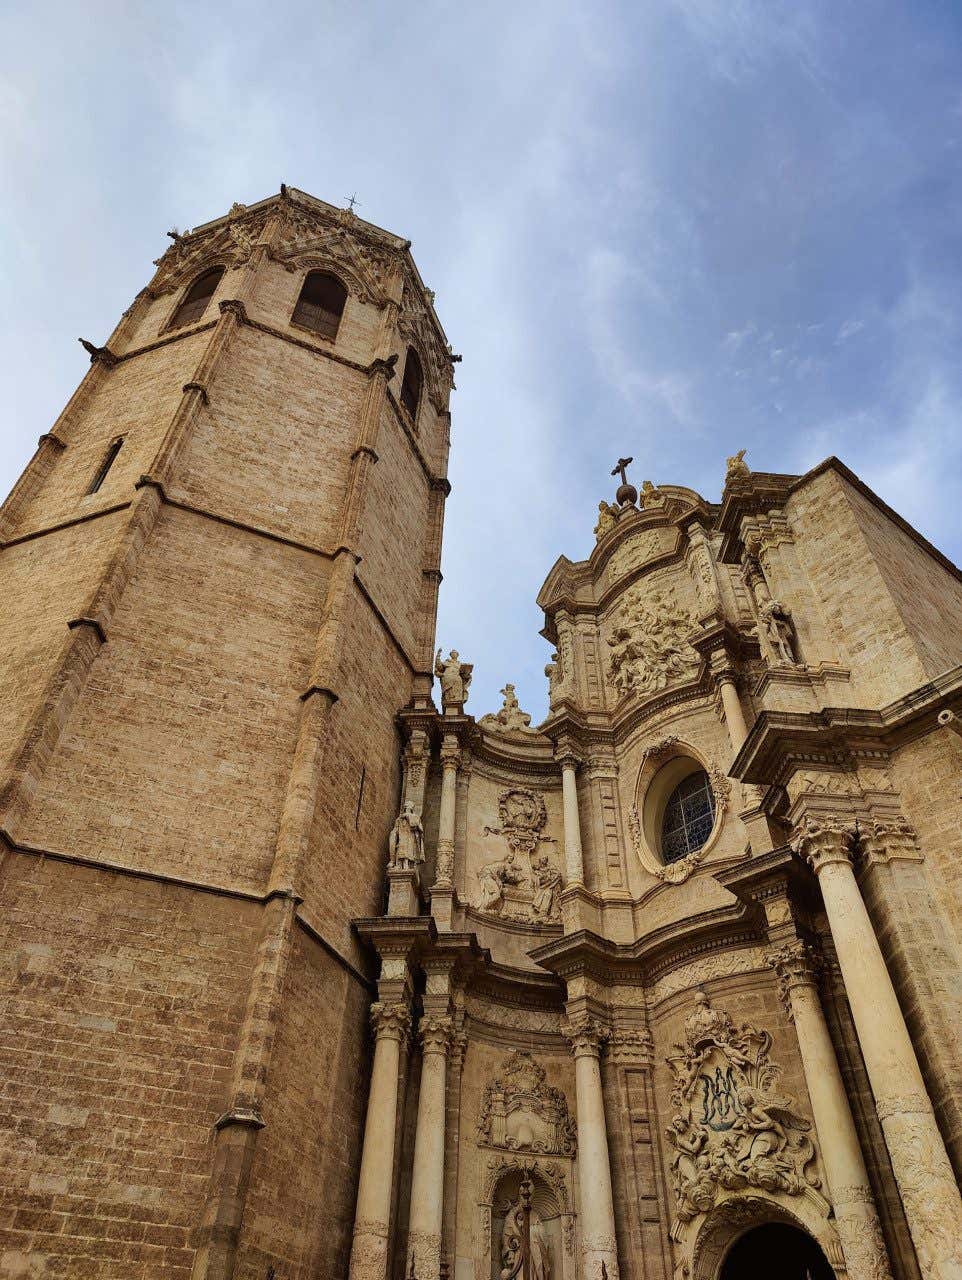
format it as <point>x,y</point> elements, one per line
<point>360,798</point>
<point>100,475</point>
<point>321,304</point>
<point>411,383</point>
<point>196,298</point>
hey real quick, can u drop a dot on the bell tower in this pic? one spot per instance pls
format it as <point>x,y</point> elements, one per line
<point>220,575</point>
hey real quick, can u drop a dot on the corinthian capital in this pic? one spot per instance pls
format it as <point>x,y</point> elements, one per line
<point>891,838</point>
<point>585,1035</point>
<point>795,965</point>
<point>390,1021</point>
<point>434,1031</point>
<point>823,840</point>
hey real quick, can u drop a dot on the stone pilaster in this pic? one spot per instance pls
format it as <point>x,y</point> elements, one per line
<point>930,1194</point>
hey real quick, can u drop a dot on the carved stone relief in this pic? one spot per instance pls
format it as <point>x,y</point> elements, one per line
<point>520,1111</point>
<point>525,884</point>
<point>510,719</point>
<point>730,1130</point>
<point>649,644</point>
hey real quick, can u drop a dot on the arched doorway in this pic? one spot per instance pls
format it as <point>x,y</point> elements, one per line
<point>775,1249</point>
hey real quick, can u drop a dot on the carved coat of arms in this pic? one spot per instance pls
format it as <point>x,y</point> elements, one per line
<point>520,1111</point>
<point>729,1130</point>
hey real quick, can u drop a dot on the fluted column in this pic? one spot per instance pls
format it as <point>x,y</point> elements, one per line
<point>930,1195</point>
<point>427,1178</point>
<point>855,1215</point>
<point>574,858</point>
<point>450,759</point>
<point>598,1245</point>
<point>374,1193</point>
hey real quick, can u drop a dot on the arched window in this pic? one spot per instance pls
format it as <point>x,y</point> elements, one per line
<point>411,383</point>
<point>689,817</point>
<point>196,298</point>
<point>321,304</point>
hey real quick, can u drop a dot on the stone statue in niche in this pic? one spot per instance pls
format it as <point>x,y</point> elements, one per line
<point>729,1131</point>
<point>540,1258</point>
<point>607,516</point>
<point>779,630</point>
<point>547,886</point>
<point>520,1111</point>
<point>455,678</point>
<point>494,876</point>
<point>406,841</point>
<point>510,718</point>
<point>649,644</point>
<point>555,676</point>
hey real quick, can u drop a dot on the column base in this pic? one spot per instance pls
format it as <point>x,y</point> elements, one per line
<point>579,909</point>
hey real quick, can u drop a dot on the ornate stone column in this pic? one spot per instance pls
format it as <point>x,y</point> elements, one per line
<point>731,703</point>
<point>930,1195</point>
<point>427,1178</point>
<point>856,1218</point>
<point>372,1215</point>
<point>450,759</point>
<point>574,858</point>
<point>598,1245</point>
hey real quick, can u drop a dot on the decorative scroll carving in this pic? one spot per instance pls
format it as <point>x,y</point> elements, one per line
<point>521,1112</point>
<point>650,644</point>
<point>824,839</point>
<point>729,1131</point>
<point>510,719</point>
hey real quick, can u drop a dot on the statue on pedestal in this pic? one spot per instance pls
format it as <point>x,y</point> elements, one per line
<point>406,841</point>
<point>455,677</point>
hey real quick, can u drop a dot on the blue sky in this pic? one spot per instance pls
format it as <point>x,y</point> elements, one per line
<point>672,229</point>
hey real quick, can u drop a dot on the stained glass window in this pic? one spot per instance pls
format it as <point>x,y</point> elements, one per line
<point>689,817</point>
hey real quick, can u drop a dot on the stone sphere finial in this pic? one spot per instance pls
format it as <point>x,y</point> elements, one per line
<point>627,494</point>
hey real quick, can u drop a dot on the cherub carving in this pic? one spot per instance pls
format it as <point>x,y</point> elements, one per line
<point>455,678</point>
<point>607,514</point>
<point>406,841</point>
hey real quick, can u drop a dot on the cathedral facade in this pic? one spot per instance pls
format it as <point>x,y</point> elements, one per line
<point>310,972</point>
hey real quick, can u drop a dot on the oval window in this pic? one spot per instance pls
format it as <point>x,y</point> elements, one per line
<point>689,817</point>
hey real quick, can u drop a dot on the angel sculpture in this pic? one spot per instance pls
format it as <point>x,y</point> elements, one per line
<point>455,677</point>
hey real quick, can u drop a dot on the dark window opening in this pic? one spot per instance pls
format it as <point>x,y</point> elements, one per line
<point>321,304</point>
<point>411,383</point>
<point>196,298</point>
<point>689,817</point>
<point>100,475</point>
